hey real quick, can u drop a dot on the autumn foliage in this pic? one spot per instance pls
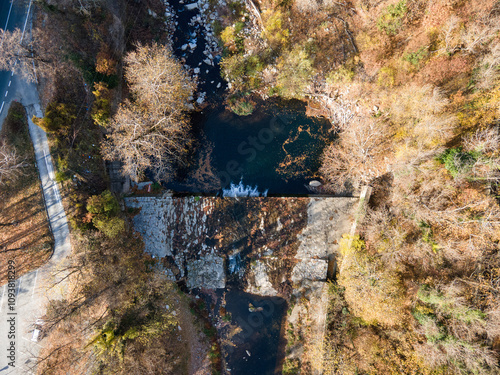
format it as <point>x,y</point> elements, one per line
<point>151,130</point>
<point>418,121</point>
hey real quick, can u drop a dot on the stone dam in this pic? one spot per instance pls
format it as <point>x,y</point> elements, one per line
<point>267,246</point>
<point>264,260</point>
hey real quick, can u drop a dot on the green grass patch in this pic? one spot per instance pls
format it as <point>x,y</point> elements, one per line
<point>458,162</point>
<point>415,58</point>
<point>392,17</point>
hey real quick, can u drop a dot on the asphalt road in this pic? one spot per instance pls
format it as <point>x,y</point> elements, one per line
<point>12,15</point>
<point>29,293</point>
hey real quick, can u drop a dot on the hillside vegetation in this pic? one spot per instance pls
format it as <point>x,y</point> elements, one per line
<point>417,111</point>
<point>120,314</point>
<point>113,320</point>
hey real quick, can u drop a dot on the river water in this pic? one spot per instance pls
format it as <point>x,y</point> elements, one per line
<point>255,349</point>
<point>277,148</point>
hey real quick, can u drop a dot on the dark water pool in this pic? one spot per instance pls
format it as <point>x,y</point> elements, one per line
<point>255,349</point>
<point>277,148</point>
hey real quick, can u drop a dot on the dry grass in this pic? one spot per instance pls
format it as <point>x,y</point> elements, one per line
<point>443,69</point>
<point>140,308</point>
<point>373,290</point>
<point>489,72</point>
<point>24,230</point>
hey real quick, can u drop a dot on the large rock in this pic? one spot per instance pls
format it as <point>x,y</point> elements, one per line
<point>261,283</point>
<point>315,183</point>
<point>191,6</point>
<point>310,269</point>
<point>206,272</point>
<point>152,223</point>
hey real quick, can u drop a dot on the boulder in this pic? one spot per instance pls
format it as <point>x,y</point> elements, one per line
<point>191,6</point>
<point>207,272</point>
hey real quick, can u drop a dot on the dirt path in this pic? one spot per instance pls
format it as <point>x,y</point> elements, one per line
<point>199,347</point>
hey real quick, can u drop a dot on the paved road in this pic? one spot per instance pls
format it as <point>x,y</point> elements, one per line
<point>29,292</point>
<point>12,15</point>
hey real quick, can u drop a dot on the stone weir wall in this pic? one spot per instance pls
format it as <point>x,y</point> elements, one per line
<point>269,246</point>
<point>265,246</point>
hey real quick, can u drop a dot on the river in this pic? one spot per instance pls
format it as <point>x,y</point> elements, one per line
<point>275,149</point>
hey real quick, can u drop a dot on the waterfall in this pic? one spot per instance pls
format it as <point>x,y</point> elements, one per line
<point>234,263</point>
<point>242,190</point>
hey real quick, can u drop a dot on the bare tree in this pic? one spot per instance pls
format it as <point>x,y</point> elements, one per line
<point>340,110</point>
<point>484,144</point>
<point>10,163</point>
<point>489,73</point>
<point>18,54</point>
<point>472,37</point>
<point>151,131</point>
<point>358,155</point>
<point>479,34</point>
<point>483,140</point>
<point>86,7</point>
<point>450,34</point>
<point>158,80</point>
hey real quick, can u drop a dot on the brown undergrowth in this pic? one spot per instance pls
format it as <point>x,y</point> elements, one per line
<point>417,289</point>
<point>25,236</point>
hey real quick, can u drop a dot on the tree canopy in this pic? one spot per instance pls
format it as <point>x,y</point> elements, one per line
<point>151,130</point>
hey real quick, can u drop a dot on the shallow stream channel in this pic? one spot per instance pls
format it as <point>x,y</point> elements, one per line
<point>256,346</point>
